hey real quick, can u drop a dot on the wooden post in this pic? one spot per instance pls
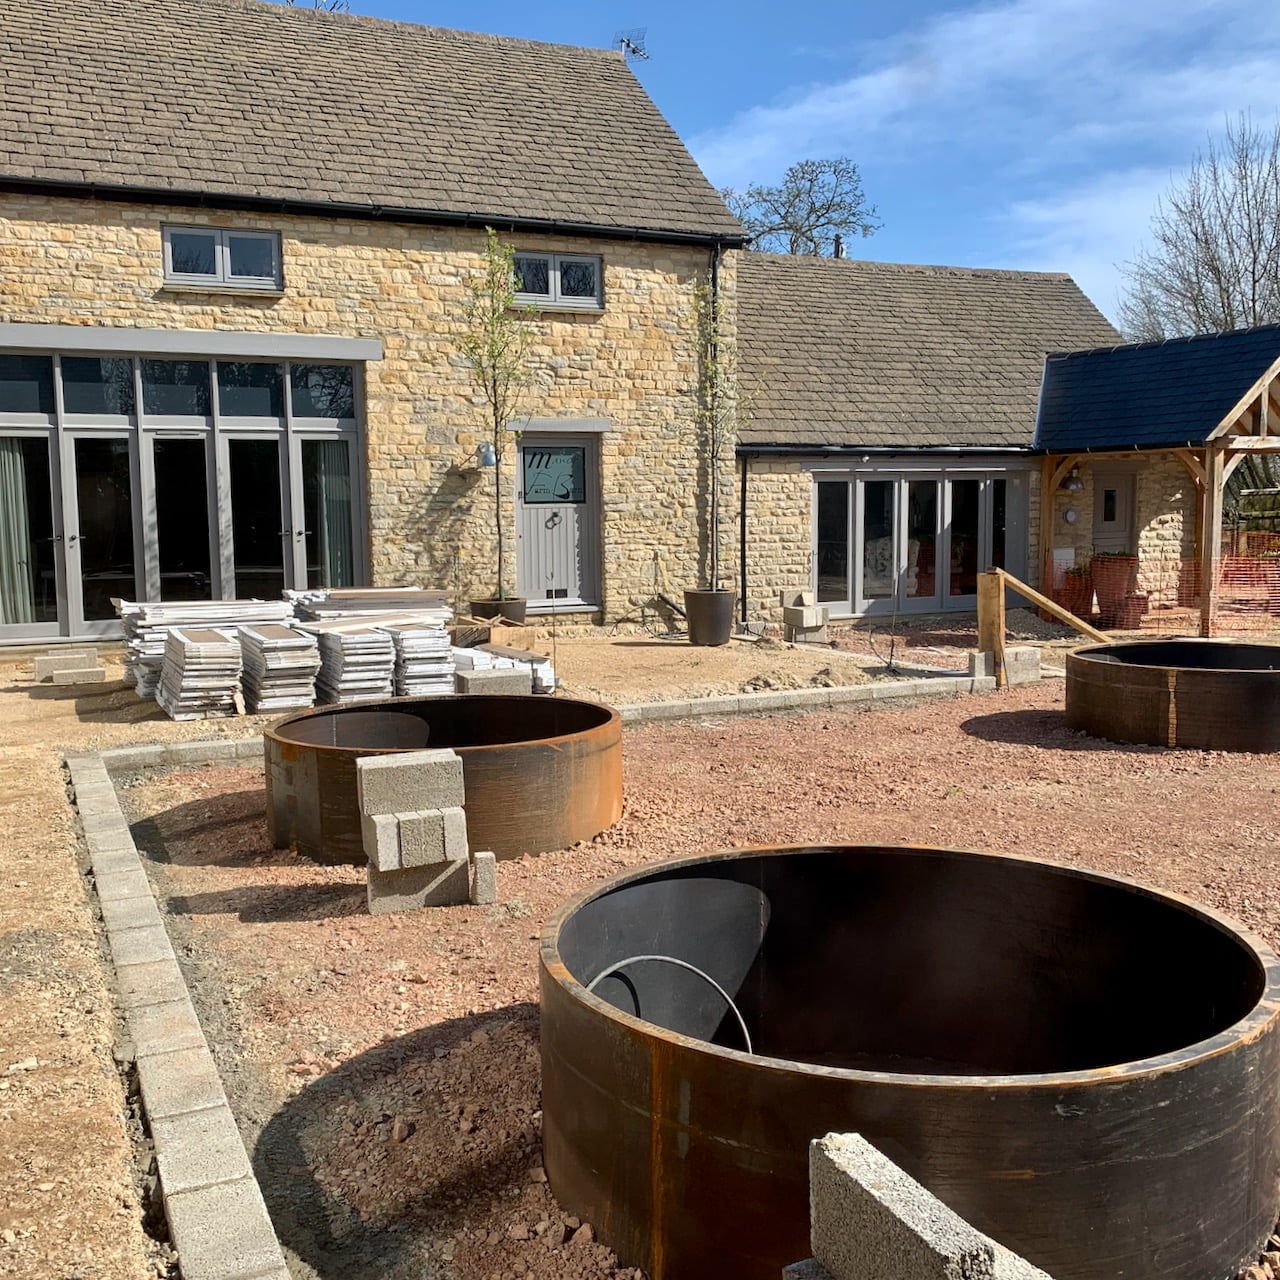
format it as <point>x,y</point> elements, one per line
<point>1211,538</point>
<point>991,625</point>
<point>1048,471</point>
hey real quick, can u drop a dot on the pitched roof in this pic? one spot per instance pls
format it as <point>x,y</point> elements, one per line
<point>1150,394</point>
<point>834,352</point>
<point>239,98</point>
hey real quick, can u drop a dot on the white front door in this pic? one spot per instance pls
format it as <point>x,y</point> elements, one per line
<point>557,521</point>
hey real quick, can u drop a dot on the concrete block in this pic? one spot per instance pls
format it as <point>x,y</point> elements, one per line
<point>184,1080</point>
<point>223,1232</point>
<point>140,946</point>
<point>161,1028</point>
<point>190,752</point>
<point>83,675</point>
<point>130,913</point>
<point>805,617</point>
<point>802,598</point>
<point>509,680</point>
<point>433,835</point>
<point>721,706</point>
<point>668,710</point>
<point>871,1221</point>
<point>198,1149</point>
<point>982,664</point>
<point>442,884</point>
<point>805,635</point>
<point>1021,665</point>
<point>409,781</point>
<point>380,834</point>
<point>484,880</point>
<point>51,664</point>
<point>122,758</point>
<point>247,748</point>
<point>114,885</point>
<point>156,982</point>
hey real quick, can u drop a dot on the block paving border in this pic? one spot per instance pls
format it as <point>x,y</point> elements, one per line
<point>218,1220</point>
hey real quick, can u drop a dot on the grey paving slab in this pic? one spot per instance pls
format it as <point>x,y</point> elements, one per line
<point>248,748</point>
<point>139,946</point>
<point>155,982</point>
<point>130,913</point>
<point>114,885</point>
<point>120,758</point>
<point>87,675</point>
<point>50,664</point>
<point>161,1028</point>
<point>179,1081</point>
<point>189,753</point>
<point>199,1149</point>
<point>110,854</point>
<point>484,879</point>
<point>223,1232</point>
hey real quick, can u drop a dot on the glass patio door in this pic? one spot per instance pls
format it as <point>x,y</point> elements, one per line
<point>31,586</point>
<point>898,537</point>
<point>180,560</point>
<point>323,513</point>
<point>257,539</point>
<point>101,537</point>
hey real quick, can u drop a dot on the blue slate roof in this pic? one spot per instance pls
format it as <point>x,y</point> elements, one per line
<point>1149,395</point>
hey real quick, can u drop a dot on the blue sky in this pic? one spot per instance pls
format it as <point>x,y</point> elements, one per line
<point>1035,134</point>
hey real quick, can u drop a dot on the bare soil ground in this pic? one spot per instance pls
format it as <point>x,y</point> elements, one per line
<point>384,1070</point>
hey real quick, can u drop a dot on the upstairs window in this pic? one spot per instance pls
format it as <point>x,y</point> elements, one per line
<point>559,280</point>
<point>220,258</point>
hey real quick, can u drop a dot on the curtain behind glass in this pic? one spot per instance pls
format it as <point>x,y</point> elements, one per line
<point>333,490</point>
<point>17,589</point>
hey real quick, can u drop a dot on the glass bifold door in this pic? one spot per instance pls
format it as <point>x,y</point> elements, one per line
<point>907,543</point>
<point>88,515</point>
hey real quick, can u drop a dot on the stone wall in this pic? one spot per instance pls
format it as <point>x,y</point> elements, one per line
<point>81,262</point>
<point>779,533</point>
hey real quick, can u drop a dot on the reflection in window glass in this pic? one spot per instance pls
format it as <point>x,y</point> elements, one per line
<point>104,504</point>
<point>175,388</point>
<point>965,517</point>
<point>322,391</point>
<point>922,538</point>
<point>578,279</point>
<point>94,386</point>
<point>247,389</point>
<point>194,253</point>
<point>326,506</point>
<point>182,520</point>
<point>252,256</point>
<point>1109,505</point>
<point>999,519</point>
<point>27,586</point>
<point>555,475</point>
<point>256,527</point>
<point>533,275</point>
<point>877,539</point>
<point>833,541</point>
<point>26,384</point>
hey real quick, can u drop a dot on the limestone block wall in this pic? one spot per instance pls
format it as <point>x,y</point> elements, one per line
<point>779,533</point>
<point>82,262</point>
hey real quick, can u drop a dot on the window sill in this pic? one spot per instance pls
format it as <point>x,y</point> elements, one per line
<point>236,290</point>
<point>540,607</point>
<point>590,308</point>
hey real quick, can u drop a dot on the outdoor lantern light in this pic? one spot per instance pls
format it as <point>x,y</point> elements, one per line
<point>1073,483</point>
<point>485,456</point>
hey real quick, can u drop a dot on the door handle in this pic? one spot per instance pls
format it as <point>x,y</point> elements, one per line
<point>72,539</point>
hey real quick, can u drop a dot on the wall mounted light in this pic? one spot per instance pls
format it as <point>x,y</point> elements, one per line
<point>482,455</point>
<point>1072,483</point>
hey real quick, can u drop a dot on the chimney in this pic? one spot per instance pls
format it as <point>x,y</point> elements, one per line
<point>837,247</point>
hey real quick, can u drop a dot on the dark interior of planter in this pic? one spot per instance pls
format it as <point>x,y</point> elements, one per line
<point>1218,656</point>
<point>915,961</point>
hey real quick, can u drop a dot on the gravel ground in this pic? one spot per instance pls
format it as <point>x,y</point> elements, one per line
<point>384,1069</point>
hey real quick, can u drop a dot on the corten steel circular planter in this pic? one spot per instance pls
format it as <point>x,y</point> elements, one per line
<point>1217,695</point>
<point>1086,1069</point>
<point>539,773</point>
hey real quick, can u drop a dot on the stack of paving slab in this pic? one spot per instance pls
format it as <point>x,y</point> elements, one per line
<point>147,626</point>
<point>424,660</point>
<point>200,676</point>
<point>348,604</point>
<point>539,665</point>
<point>357,661</point>
<point>280,667</point>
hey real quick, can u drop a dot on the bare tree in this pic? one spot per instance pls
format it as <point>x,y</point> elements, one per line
<point>324,6</point>
<point>1215,261</point>
<point>818,203</point>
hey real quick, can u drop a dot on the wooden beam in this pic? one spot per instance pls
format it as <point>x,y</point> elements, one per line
<point>1234,459</point>
<point>1211,539</point>
<point>991,624</point>
<point>1253,444</point>
<point>1242,405</point>
<point>1264,409</point>
<point>1049,606</point>
<point>1048,527</point>
<point>1192,464</point>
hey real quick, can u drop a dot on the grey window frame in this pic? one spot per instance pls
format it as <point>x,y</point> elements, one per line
<point>222,280</point>
<point>554,299</point>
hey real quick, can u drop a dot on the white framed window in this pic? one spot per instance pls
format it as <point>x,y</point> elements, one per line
<point>222,258</point>
<point>560,280</point>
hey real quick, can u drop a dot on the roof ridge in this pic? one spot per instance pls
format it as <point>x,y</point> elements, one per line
<point>304,13</point>
<point>1151,343</point>
<point>921,268</point>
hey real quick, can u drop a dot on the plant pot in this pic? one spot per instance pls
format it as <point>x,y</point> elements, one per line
<point>1114,578</point>
<point>512,608</point>
<point>1132,611</point>
<point>710,616</point>
<point>1076,594</point>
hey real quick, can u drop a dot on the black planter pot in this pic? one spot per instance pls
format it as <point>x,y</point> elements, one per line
<point>512,608</point>
<point>710,616</point>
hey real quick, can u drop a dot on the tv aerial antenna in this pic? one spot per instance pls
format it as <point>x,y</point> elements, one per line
<point>632,43</point>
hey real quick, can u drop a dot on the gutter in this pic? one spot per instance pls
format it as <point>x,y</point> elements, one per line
<point>120,193</point>
<point>846,450</point>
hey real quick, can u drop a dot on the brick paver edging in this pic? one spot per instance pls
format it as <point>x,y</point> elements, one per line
<point>218,1220</point>
<point>217,1217</point>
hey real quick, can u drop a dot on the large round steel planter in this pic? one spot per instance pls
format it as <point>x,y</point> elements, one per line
<point>1084,1068</point>
<point>1216,695</point>
<point>539,773</point>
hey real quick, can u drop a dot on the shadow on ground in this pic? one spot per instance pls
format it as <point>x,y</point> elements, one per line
<point>1045,729</point>
<point>110,703</point>
<point>227,829</point>
<point>376,1167</point>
